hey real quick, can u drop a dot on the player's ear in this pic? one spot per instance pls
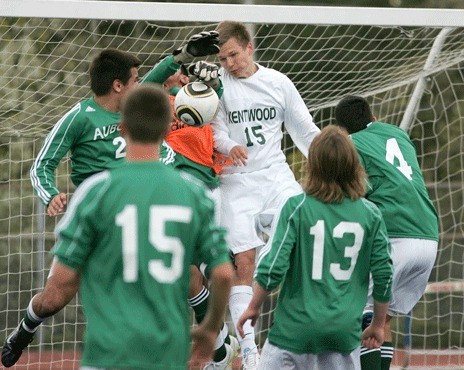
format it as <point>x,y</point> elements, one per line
<point>374,118</point>
<point>117,85</point>
<point>250,47</point>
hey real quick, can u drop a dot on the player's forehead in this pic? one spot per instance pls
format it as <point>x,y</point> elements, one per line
<point>230,47</point>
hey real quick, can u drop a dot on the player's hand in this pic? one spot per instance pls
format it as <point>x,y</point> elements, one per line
<point>176,124</point>
<point>372,336</point>
<point>57,204</point>
<point>238,155</point>
<point>199,45</point>
<point>249,314</point>
<point>205,72</point>
<point>202,346</point>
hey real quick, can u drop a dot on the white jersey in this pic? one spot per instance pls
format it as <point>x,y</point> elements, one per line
<point>251,114</point>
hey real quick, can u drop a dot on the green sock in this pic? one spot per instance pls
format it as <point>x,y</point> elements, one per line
<point>227,339</point>
<point>370,359</point>
<point>386,350</point>
<point>199,304</point>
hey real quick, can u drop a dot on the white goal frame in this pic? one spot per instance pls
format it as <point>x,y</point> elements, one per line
<point>248,13</point>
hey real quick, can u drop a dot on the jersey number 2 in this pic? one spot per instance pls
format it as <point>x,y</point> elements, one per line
<point>157,237</point>
<point>121,146</point>
<point>351,252</point>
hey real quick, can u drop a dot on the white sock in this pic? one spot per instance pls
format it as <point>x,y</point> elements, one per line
<point>240,298</point>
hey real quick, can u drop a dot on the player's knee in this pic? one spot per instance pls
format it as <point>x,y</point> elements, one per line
<point>367,319</point>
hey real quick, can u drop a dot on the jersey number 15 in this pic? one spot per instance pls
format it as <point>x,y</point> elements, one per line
<point>159,215</point>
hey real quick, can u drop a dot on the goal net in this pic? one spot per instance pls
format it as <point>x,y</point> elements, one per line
<point>409,65</point>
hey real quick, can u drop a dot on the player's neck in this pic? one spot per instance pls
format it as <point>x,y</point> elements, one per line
<point>140,152</point>
<point>107,102</point>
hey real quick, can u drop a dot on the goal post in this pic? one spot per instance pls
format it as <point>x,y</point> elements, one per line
<point>408,63</point>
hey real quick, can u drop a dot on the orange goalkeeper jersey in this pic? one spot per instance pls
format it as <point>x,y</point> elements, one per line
<point>195,143</point>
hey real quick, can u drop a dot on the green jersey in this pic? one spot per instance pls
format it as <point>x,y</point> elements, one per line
<point>91,135</point>
<point>323,253</point>
<point>396,184</point>
<point>134,235</point>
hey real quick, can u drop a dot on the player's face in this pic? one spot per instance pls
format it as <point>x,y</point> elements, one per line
<point>237,59</point>
<point>133,81</point>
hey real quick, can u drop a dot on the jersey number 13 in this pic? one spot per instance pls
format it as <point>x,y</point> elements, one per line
<point>351,252</point>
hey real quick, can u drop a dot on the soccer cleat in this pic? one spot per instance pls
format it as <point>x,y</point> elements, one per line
<point>14,345</point>
<point>226,363</point>
<point>250,360</point>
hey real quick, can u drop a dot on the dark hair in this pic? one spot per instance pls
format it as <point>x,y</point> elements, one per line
<point>232,29</point>
<point>146,112</point>
<point>333,170</point>
<point>109,65</point>
<point>353,113</point>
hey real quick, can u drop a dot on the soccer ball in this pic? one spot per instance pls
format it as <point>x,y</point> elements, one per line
<point>196,104</point>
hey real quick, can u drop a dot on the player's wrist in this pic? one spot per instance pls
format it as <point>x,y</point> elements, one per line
<point>182,56</point>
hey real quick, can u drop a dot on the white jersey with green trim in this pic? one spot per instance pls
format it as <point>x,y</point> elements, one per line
<point>252,111</point>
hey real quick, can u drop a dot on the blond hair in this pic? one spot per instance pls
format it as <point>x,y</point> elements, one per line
<point>233,29</point>
<point>333,169</point>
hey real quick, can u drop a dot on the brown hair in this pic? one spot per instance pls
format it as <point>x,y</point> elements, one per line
<point>146,112</point>
<point>333,169</point>
<point>232,29</point>
<point>109,65</point>
<point>353,113</point>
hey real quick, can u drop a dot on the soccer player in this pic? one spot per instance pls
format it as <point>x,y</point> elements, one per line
<point>326,243</point>
<point>248,129</point>
<point>90,129</point>
<point>397,187</point>
<point>190,150</point>
<point>126,242</point>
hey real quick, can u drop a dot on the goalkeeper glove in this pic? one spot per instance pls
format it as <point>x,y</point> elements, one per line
<point>199,45</point>
<point>205,72</point>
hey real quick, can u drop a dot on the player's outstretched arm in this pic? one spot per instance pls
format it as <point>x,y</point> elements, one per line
<point>199,45</point>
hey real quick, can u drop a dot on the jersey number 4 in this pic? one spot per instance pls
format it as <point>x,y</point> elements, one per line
<point>394,151</point>
<point>157,237</point>
<point>351,252</point>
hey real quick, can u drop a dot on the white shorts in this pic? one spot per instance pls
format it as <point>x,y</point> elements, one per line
<point>274,358</point>
<point>244,196</point>
<point>413,260</point>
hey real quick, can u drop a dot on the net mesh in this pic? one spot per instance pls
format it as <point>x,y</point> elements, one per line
<point>44,71</point>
